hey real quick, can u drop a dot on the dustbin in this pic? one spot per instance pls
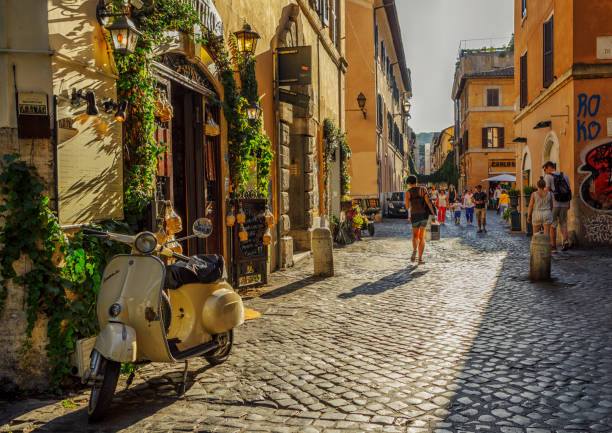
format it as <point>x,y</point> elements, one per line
<point>435,231</point>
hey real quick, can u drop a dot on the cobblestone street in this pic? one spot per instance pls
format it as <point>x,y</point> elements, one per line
<point>463,343</point>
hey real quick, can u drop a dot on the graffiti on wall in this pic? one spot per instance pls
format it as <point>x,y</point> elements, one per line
<point>596,188</point>
<point>598,229</point>
<point>588,107</point>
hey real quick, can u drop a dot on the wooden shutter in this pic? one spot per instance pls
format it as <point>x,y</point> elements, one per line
<point>523,81</point>
<point>548,53</point>
<point>485,137</point>
<point>500,136</point>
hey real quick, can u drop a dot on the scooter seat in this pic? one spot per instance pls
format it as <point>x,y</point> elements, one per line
<point>203,268</point>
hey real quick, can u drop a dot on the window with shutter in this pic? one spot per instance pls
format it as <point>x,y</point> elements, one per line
<point>380,111</point>
<point>492,138</point>
<point>492,97</point>
<point>485,138</point>
<point>376,41</point>
<point>548,53</point>
<point>523,8</point>
<point>325,13</point>
<point>523,81</point>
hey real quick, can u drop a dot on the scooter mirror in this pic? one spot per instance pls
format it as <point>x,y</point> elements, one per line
<point>202,227</point>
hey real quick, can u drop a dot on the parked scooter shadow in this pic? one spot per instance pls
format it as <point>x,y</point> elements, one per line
<point>127,407</point>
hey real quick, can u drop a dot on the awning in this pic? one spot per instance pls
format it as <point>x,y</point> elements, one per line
<point>501,178</point>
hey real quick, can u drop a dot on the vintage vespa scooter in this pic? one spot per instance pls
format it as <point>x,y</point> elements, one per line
<point>140,323</point>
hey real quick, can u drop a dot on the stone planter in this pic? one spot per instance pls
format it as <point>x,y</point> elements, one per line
<point>514,201</point>
<point>515,221</point>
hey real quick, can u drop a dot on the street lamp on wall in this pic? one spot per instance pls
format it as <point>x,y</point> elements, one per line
<point>361,101</point>
<point>124,35</point>
<point>247,40</point>
<point>253,111</point>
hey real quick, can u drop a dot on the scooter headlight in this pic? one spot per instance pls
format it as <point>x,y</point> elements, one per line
<point>145,243</point>
<point>114,310</point>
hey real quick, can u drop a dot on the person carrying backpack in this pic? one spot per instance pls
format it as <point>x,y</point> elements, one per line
<point>558,183</point>
<point>419,207</point>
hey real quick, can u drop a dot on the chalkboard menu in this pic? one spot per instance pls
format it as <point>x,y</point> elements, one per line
<point>253,248</point>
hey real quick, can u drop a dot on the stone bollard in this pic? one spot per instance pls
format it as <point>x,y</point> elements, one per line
<point>322,252</point>
<point>539,265</point>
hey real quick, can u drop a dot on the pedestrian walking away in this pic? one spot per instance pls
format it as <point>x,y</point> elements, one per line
<point>480,200</point>
<point>540,208</point>
<point>452,194</point>
<point>558,183</point>
<point>504,203</point>
<point>419,208</point>
<point>442,205</point>
<point>496,196</point>
<point>468,204</point>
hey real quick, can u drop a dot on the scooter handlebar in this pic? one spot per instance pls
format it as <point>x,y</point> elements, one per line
<point>95,233</point>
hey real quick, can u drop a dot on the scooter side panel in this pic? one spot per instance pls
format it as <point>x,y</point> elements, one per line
<point>135,282</point>
<point>117,342</point>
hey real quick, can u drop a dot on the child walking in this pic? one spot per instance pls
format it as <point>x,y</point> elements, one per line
<point>457,210</point>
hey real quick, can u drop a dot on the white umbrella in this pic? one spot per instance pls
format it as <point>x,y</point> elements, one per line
<point>501,178</point>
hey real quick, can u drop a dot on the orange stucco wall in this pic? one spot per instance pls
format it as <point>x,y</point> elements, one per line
<point>577,104</point>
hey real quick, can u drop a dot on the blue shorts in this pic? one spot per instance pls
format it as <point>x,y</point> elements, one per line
<point>457,214</point>
<point>419,223</point>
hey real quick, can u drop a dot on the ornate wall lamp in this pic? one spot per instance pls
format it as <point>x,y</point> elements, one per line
<point>124,33</point>
<point>247,40</point>
<point>361,102</point>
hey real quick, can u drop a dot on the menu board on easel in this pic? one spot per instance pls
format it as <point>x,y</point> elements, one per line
<point>255,225</point>
<point>251,255</point>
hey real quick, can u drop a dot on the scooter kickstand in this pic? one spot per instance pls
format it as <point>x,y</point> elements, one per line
<point>181,390</point>
<point>130,379</point>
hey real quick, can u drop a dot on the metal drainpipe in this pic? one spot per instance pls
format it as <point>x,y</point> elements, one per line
<point>278,156</point>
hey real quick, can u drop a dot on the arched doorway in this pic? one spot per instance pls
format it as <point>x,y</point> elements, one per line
<point>189,174</point>
<point>551,148</point>
<point>526,167</point>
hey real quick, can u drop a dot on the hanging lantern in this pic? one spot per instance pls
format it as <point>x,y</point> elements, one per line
<point>269,218</point>
<point>230,219</point>
<point>253,111</point>
<point>267,237</point>
<point>124,35</point>
<point>247,40</point>
<point>243,234</point>
<point>241,217</point>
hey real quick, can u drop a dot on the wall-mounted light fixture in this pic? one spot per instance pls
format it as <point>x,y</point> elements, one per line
<point>89,97</point>
<point>247,40</point>
<point>253,111</point>
<point>361,101</point>
<point>123,31</point>
<point>110,106</point>
<point>543,124</point>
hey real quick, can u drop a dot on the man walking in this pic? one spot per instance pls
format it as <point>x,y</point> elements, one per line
<point>558,183</point>
<point>496,197</point>
<point>419,208</point>
<point>480,200</point>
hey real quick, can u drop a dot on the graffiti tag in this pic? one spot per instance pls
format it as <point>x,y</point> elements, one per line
<point>598,229</point>
<point>588,107</point>
<point>596,189</point>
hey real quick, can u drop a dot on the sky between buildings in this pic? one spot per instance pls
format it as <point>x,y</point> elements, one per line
<point>431,32</point>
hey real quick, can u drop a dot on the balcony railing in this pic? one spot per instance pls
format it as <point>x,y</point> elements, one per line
<point>208,14</point>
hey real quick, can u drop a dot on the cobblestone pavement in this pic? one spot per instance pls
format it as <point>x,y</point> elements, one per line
<point>463,343</point>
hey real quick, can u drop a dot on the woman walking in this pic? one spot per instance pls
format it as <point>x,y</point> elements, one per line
<point>469,205</point>
<point>419,208</point>
<point>442,205</point>
<point>452,194</point>
<point>504,202</point>
<point>540,207</point>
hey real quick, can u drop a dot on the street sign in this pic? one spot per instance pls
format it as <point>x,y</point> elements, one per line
<point>294,65</point>
<point>294,98</point>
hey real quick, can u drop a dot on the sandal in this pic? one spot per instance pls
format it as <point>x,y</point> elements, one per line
<point>413,257</point>
<point>421,262</point>
<point>565,246</point>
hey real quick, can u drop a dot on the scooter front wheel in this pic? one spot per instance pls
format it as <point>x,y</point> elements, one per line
<point>102,392</point>
<point>219,356</point>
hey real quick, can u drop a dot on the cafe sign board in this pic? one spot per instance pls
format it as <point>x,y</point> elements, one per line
<point>33,115</point>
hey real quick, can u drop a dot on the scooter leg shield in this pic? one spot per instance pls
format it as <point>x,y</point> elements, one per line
<point>222,311</point>
<point>117,342</point>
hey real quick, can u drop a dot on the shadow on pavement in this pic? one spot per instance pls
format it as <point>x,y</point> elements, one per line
<point>542,355</point>
<point>388,282</point>
<point>130,406</point>
<point>290,288</point>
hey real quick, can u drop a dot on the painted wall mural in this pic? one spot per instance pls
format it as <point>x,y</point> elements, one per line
<point>596,188</point>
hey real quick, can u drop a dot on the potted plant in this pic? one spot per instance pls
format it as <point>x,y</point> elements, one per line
<point>514,195</point>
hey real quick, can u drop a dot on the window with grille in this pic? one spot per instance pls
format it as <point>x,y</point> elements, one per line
<point>390,127</point>
<point>379,111</point>
<point>492,97</point>
<point>492,138</point>
<point>548,53</point>
<point>523,81</point>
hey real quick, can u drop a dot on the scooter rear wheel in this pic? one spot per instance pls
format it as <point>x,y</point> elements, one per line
<point>102,393</point>
<point>219,356</point>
